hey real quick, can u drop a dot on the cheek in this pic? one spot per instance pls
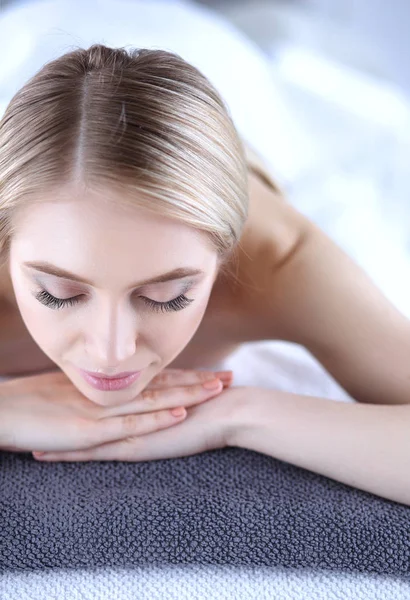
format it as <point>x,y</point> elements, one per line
<point>172,333</point>
<point>41,325</point>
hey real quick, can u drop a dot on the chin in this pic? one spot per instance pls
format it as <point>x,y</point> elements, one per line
<point>114,398</point>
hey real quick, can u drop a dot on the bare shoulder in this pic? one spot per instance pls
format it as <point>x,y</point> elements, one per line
<point>274,228</point>
<point>310,292</point>
<point>278,224</point>
<point>273,233</point>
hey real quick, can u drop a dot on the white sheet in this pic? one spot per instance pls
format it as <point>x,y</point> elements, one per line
<point>341,196</point>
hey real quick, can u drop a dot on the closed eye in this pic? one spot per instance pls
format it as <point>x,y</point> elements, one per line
<point>178,303</point>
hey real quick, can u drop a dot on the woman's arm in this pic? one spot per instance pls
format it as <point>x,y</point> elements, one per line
<point>365,446</point>
<point>320,298</point>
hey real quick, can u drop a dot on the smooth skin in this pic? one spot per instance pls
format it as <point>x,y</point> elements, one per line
<point>295,285</point>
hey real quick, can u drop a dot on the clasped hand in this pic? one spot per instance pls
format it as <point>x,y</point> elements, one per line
<point>158,435</point>
<point>47,413</point>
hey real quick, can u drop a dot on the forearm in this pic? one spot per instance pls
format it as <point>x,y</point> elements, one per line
<point>366,446</point>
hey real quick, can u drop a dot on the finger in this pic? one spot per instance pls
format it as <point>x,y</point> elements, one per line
<point>227,379</point>
<point>178,377</point>
<point>150,400</point>
<point>154,446</point>
<point>132,449</point>
<point>111,451</point>
<point>119,427</point>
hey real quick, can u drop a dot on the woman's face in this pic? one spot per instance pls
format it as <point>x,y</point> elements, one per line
<point>116,319</point>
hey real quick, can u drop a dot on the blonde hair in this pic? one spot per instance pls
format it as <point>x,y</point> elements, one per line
<point>143,121</point>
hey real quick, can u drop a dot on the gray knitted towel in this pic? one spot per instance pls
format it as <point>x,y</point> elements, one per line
<point>224,507</point>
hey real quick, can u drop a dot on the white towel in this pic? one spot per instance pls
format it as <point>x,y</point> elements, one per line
<point>193,582</point>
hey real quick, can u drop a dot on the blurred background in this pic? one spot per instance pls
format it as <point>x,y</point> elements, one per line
<point>370,35</point>
<point>321,88</point>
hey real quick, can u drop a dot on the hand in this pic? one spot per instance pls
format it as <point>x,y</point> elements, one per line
<point>207,426</point>
<point>47,412</point>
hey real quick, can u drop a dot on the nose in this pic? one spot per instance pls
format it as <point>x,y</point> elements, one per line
<point>111,337</point>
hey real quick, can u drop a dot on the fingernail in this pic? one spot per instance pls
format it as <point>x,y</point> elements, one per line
<point>225,375</point>
<point>178,412</point>
<point>212,385</point>
<point>39,454</point>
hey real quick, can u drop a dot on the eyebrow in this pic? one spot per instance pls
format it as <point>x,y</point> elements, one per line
<point>46,267</point>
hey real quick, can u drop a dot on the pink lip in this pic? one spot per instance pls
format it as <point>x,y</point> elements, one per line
<point>110,384</point>
<point>116,376</point>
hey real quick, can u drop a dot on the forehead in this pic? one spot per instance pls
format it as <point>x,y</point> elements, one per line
<point>104,226</point>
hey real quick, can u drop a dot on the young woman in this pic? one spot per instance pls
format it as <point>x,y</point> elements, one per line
<point>141,235</point>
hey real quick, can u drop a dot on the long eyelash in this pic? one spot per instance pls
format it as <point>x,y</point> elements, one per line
<point>55,303</point>
<point>176,304</point>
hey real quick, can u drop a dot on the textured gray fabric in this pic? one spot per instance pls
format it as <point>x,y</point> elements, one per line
<point>223,507</point>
